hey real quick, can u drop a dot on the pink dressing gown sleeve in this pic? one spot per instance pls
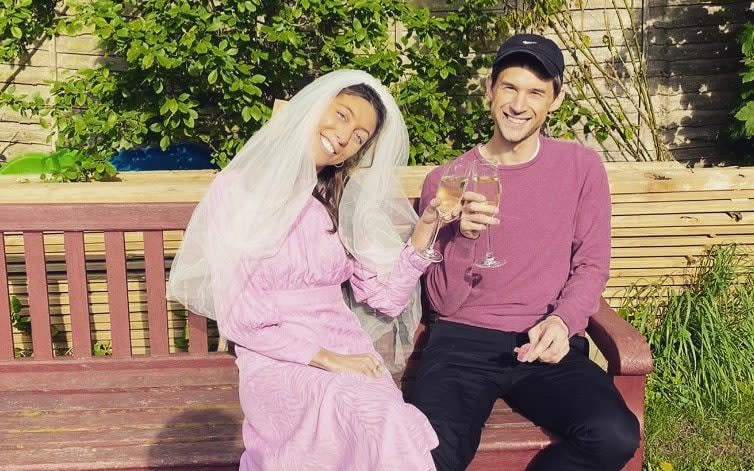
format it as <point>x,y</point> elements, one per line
<point>389,293</point>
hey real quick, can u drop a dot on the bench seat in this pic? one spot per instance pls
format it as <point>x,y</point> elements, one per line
<point>182,411</point>
<point>172,413</point>
<point>161,414</point>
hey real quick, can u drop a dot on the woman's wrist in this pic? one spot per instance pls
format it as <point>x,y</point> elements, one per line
<point>323,359</point>
<point>422,235</point>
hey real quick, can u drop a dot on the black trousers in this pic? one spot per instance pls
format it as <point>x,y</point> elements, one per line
<point>464,369</point>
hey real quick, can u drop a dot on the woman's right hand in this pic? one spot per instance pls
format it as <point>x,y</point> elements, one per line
<point>363,363</point>
<point>424,230</point>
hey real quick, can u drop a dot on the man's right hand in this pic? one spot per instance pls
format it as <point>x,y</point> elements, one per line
<point>476,215</point>
<point>367,364</point>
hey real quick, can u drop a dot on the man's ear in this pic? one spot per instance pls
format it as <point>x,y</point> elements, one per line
<point>488,88</point>
<point>558,101</point>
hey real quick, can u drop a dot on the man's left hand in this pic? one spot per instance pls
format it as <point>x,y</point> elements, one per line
<point>548,341</point>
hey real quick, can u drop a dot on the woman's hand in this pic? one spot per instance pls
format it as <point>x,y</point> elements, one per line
<point>425,227</point>
<point>366,364</point>
<point>476,215</point>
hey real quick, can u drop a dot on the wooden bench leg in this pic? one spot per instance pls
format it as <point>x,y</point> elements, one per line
<point>632,390</point>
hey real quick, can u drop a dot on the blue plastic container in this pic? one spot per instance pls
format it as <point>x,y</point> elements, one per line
<point>175,157</point>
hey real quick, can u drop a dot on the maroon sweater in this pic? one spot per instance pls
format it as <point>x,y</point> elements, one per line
<point>554,235</point>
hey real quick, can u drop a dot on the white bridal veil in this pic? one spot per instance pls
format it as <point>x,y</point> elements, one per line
<point>252,203</point>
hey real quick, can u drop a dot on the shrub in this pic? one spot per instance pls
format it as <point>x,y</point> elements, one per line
<point>701,336</point>
<point>178,70</point>
<point>207,72</point>
<point>743,113</point>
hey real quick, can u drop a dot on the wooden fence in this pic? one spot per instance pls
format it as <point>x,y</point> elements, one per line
<point>664,217</point>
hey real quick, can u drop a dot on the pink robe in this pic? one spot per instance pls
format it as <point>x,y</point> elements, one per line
<point>298,417</point>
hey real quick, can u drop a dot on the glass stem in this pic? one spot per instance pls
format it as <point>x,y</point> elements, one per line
<point>430,248</point>
<point>489,255</point>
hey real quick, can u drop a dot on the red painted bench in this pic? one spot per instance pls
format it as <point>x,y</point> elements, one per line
<point>161,410</point>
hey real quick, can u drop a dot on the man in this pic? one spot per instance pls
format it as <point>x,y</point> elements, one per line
<point>553,230</point>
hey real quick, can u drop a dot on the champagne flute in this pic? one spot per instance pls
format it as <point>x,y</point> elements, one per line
<point>486,181</point>
<point>453,182</point>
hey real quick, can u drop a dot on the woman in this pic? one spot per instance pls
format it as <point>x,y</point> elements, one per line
<point>309,203</point>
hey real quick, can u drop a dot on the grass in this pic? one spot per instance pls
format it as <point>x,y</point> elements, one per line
<point>680,439</point>
<point>700,397</point>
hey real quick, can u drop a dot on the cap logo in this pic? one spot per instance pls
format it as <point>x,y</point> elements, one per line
<point>529,42</point>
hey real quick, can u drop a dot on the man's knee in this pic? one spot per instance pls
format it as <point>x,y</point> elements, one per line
<point>612,439</point>
<point>625,436</point>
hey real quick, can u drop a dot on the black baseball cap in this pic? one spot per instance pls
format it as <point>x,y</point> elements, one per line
<point>544,50</point>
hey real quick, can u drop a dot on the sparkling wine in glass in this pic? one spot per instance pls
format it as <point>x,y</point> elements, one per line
<point>449,193</point>
<point>485,180</point>
<point>452,185</point>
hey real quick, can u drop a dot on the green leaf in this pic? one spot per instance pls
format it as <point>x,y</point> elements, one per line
<point>246,114</point>
<point>212,77</point>
<point>147,61</point>
<point>15,305</point>
<point>16,32</point>
<point>164,142</point>
<point>746,113</point>
<point>256,113</point>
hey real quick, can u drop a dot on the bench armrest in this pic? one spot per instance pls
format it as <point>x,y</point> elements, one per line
<point>625,349</point>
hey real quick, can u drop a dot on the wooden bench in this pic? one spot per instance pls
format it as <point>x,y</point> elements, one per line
<point>148,405</point>
<point>124,410</point>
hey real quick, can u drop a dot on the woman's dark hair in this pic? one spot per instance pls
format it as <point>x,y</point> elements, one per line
<point>527,62</point>
<point>332,180</point>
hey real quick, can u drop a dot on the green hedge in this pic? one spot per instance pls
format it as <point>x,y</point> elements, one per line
<point>184,70</point>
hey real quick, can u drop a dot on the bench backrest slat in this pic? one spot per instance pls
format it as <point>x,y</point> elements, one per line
<point>157,313</point>
<point>197,333</point>
<point>6,332</point>
<point>75,267</point>
<point>123,226</point>
<point>126,217</point>
<point>117,293</point>
<point>39,309</point>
